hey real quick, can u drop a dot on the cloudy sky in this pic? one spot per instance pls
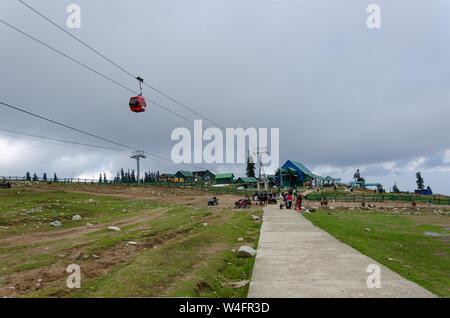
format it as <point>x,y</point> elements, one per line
<point>343,96</point>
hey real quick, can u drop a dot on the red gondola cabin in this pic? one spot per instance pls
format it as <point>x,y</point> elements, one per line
<point>137,104</point>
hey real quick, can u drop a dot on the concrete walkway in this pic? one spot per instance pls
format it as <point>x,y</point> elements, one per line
<point>297,259</point>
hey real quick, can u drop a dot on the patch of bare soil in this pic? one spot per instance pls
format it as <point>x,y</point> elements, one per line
<point>163,194</point>
<point>396,206</point>
<point>77,232</point>
<point>54,275</point>
<point>91,266</point>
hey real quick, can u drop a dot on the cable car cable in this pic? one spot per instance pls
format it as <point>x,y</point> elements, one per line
<point>118,66</point>
<point>93,70</point>
<point>80,131</point>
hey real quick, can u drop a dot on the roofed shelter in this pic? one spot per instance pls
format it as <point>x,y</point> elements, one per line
<point>225,178</point>
<point>187,176</point>
<point>248,182</point>
<point>296,174</point>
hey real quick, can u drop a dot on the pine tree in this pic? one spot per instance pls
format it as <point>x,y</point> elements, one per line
<point>55,178</point>
<point>35,177</point>
<point>357,175</point>
<point>104,178</point>
<point>28,176</point>
<point>133,177</point>
<point>420,183</point>
<point>44,177</point>
<point>122,175</point>
<point>395,188</point>
<point>100,178</point>
<point>250,167</point>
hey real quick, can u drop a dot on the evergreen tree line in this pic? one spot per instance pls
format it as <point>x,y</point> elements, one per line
<point>28,177</point>
<point>131,177</point>
<point>122,176</point>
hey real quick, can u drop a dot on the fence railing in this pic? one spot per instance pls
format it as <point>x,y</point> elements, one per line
<point>360,197</point>
<point>232,189</point>
<point>227,189</point>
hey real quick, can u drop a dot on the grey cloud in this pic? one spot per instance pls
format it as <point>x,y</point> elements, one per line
<point>341,94</point>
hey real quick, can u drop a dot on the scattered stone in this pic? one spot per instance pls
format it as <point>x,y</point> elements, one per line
<point>205,224</point>
<point>435,234</point>
<point>2,278</point>
<point>255,217</point>
<point>113,228</point>
<point>76,218</point>
<point>89,224</point>
<point>246,251</point>
<point>85,256</point>
<point>56,223</point>
<point>39,280</point>
<point>37,286</point>
<point>132,243</point>
<point>239,284</point>
<point>90,201</point>
<point>76,255</point>
<point>391,259</point>
<point>95,256</point>
<point>240,239</point>
<point>367,229</point>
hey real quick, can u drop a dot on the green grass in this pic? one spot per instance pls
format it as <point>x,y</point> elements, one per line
<point>417,257</point>
<point>177,254</point>
<point>198,264</point>
<point>26,210</point>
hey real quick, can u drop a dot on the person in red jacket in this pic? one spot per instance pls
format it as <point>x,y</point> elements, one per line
<point>289,200</point>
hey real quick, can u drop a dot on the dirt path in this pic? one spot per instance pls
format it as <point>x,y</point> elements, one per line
<point>76,232</point>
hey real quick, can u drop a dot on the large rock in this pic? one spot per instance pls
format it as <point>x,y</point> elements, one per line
<point>113,228</point>
<point>246,251</point>
<point>56,223</point>
<point>76,218</point>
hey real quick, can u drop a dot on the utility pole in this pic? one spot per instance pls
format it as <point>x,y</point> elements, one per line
<point>281,179</point>
<point>138,154</point>
<point>258,153</point>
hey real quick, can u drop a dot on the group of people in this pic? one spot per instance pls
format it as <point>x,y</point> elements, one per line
<point>287,199</point>
<point>291,197</point>
<point>264,198</point>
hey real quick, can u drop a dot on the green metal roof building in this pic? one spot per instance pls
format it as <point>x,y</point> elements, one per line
<point>224,178</point>
<point>186,175</point>
<point>295,174</point>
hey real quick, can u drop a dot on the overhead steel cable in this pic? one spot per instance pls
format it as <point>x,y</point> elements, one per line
<point>46,138</point>
<point>117,65</point>
<point>93,70</point>
<point>77,39</point>
<point>65,125</point>
<point>84,132</point>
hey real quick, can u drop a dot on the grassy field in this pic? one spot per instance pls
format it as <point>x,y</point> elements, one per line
<point>396,241</point>
<point>180,250</point>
